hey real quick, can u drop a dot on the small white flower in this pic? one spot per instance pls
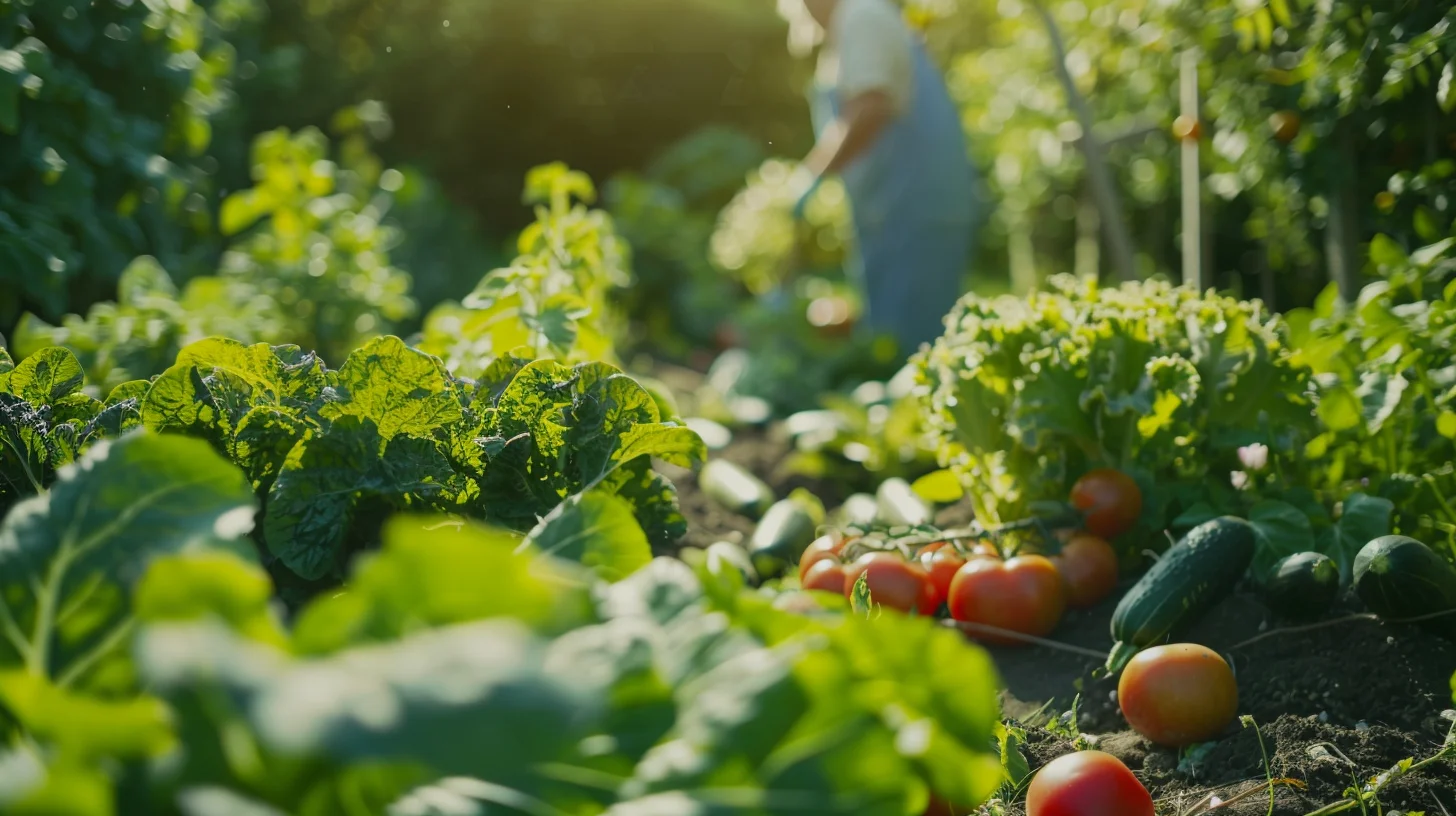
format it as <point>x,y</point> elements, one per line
<point>1254,457</point>
<point>1239,479</point>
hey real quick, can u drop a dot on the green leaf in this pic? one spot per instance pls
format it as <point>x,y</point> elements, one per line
<point>1339,409</point>
<point>941,487</point>
<point>473,700</point>
<point>1280,530</point>
<point>122,505</point>
<point>1445,92</point>
<point>1364,519</point>
<point>212,385</point>
<point>435,572</point>
<point>597,530</point>
<point>859,597</point>
<point>400,389</point>
<point>1446,424</point>
<point>46,376</point>
<point>28,788</point>
<point>326,475</point>
<point>85,727</point>
<point>1385,252</point>
<point>653,498</point>
<point>215,585</point>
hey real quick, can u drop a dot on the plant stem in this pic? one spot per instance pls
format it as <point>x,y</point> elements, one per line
<point>1007,633</point>
<point>113,639</point>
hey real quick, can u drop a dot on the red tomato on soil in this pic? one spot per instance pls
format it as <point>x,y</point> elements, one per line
<point>824,548</point>
<point>1179,694</point>
<point>1089,568</point>
<point>1111,501</point>
<point>893,582</point>
<point>1087,783</point>
<point>825,576</point>
<point>1024,594</point>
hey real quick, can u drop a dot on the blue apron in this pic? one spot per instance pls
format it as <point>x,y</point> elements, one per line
<point>915,203</point>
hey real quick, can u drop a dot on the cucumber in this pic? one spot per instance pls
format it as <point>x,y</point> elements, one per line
<point>735,488</point>
<point>900,506</point>
<point>1400,578</point>
<point>787,529</point>
<point>859,510</point>
<point>725,555</point>
<point>1191,577</point>
<point>1303,585</point>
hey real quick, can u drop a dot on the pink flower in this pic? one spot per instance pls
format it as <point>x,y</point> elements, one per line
<point>1254,457</point>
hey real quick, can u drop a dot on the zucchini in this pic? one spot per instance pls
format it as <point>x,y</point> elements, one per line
<point>1303,585</point>
<point>787,529</point>
<point>1191,577</point>
<point>722,556</point>
<point>900,506</point>
<point>735,488</point>
<point>1400,578</point>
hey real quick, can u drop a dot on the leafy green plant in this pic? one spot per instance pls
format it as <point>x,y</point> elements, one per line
<point>314,241</point>
<point>47,421</point>
<point>138,335</point>
<point>1385,382</point>
<point>464,665</point>
<point>553,300</point>
<point>1023,396</point>
<point>105,112</point>
<point>330,452</point>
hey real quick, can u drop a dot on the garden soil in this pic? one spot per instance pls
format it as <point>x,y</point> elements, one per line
<point>1330,706</point>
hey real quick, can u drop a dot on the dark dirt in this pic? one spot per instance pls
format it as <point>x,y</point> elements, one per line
<point>1335,704</point>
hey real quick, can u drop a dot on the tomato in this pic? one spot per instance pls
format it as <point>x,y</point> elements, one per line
<point>826,576</point>
<point>941,565</point>
<point>1088,565</point>
<point>894,583</point>
<point>1285,125</point>
<point>1087,783</point>
<point>1179,694</point>
<point>1187,128</point>
<point>1024,594</point>
<point>1110,500</point>
<point>824,548</point>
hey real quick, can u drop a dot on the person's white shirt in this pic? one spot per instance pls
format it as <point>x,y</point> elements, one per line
<point>869,48</point>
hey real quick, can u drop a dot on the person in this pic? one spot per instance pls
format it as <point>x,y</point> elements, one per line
<point>886,125</point>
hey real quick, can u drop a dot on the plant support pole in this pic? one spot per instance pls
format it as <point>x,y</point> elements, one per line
<point>1099,177</point>
<point>1192,184</point>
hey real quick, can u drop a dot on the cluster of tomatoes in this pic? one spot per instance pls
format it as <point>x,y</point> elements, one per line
<point>997,596</point>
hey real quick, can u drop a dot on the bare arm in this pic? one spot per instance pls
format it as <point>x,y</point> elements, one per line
<point>861,121</point>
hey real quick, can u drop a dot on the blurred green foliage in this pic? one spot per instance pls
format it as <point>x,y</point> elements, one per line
<point>104,126</point>
<point>1302,103</point>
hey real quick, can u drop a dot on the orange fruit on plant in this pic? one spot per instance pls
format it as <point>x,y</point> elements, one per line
<point>1187,128</point>
<point>1286,125</point>
<point>1179,694</point>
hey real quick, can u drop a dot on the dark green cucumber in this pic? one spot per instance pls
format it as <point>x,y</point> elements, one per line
<point>735,488</point>
<point>901,506</point>
<point>787,529</point>
<point>1303,585</point>
<point>1192,576</point>
<point>1400,578</point>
